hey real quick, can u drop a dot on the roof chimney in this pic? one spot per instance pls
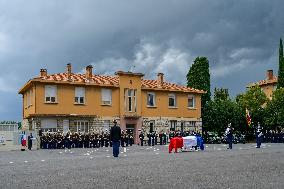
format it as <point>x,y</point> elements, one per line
<point>69,71</point>
<point>269,74</point>
<point>160,79</point>
<point>89,72</point>
<point>43,72</point>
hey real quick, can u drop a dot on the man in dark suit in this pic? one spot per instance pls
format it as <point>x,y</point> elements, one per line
<point>30,142</point>
<point>115,136</point>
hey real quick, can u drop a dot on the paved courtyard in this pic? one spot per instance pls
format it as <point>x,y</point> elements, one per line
<point>145,167</point>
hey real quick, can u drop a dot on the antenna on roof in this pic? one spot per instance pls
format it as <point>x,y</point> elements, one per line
<point>132,68</point>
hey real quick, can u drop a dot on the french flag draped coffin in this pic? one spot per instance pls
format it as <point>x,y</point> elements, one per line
<point>186,143</point>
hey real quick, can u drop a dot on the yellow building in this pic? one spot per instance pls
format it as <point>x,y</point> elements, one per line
<point>69,101</point>
<point>267,85</point>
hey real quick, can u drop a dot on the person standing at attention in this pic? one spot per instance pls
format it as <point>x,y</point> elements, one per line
<point>229,133</point>
<point>258,136</point>
<point>115,136</point>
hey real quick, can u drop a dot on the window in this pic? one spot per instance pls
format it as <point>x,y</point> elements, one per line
<point>130,100</point>
<point>191,101</point>
<point>106,125</point>
<point>27,98</point>
<point>106,96</point>
<point>82,126</point>
<point>151,99</point>
<point>79,95</point>
<point>50,93</point>
<point>49,125</point>
<point>31,97</point>
<point>152,123</point>
<point>172,100</point>
<point>173,125</point>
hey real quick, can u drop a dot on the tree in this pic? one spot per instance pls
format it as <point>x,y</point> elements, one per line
<point>198,77</point>
<point>274,111</point>
<point>221,94</point>
<point>222,111</point>
<point>280,82</point>
<point>254,100</point>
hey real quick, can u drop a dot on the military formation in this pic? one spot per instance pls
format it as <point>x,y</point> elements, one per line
<point>59,140</point>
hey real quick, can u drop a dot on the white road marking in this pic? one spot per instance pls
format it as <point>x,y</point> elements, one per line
<point>107,150</point>
<point>42,160</point>
<point>121,152</point>
<point>157,153</point>
<point>11,162</point>
<point>108,156</point>
<point>219,149</point>
<point>125,155</point>
<point>60,152</point>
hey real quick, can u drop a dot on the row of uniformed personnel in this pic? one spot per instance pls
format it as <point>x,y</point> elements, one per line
<point>58,140</point>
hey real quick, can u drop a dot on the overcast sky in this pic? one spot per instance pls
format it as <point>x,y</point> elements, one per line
<point>239,37</point>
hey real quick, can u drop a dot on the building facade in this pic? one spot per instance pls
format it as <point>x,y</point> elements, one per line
<point>267,85</point>
<point>88,102</point>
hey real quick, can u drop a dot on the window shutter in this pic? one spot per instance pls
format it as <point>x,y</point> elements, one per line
<point>53,91</point>
<point>47,91</point>
<point>79,92</point>
<point>106,96</point>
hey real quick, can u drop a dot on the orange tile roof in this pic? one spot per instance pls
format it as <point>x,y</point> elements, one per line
<point>113,81</point>
<point>265,82</point>
<point>81,78</point>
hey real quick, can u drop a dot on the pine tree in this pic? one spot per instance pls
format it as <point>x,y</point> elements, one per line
<point>280,82</point>
<point>198,77</point>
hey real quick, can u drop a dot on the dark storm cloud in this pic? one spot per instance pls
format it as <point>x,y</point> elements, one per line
<point>240,38</point>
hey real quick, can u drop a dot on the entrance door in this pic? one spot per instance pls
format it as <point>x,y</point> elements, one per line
<point>130,129</point>
<point>182,126</point>
<point>152,126</point>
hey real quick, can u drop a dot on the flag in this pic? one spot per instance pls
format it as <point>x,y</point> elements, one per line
<point>248,117</point>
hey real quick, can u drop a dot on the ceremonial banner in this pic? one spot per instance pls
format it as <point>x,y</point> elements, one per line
<point>248,117</point>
